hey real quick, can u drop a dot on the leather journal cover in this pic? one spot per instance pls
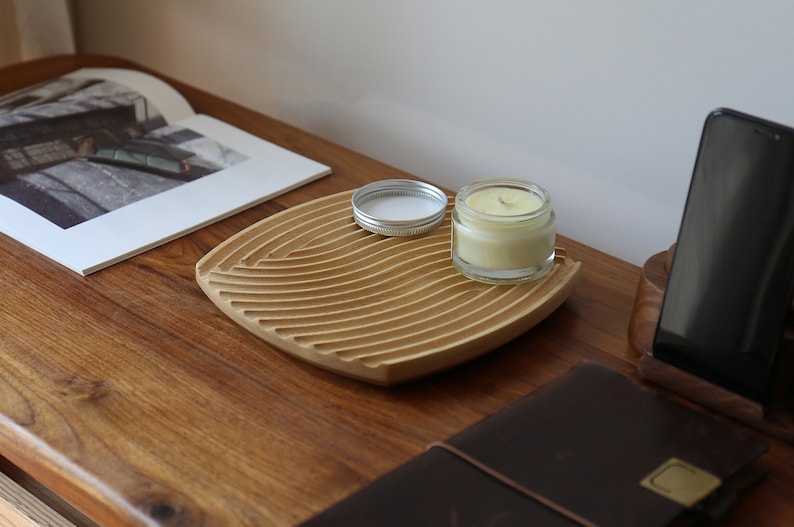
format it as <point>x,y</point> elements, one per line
<point>589,448</point>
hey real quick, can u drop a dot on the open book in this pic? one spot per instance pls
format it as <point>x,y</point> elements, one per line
<point>102,164</point>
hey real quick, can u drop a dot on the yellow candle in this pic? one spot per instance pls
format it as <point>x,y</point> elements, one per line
<point>503,231</point>
<point>504,201</point>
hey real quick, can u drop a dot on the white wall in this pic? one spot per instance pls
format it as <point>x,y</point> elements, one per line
<point>31,29</point>
<point>602,102</point>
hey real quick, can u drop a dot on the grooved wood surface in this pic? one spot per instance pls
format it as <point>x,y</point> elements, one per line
<point>380,309</point>
<point>131,398</point>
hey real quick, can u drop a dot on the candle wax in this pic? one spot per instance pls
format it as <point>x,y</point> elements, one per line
<point>507,229</point>
<point>504,201</point>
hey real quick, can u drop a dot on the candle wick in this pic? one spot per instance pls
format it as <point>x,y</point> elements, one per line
<point>501,201</point>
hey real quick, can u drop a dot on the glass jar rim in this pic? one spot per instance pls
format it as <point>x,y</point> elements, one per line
<point>514,183</point>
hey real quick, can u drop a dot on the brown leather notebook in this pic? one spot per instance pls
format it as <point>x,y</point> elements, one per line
<point>589,448</point>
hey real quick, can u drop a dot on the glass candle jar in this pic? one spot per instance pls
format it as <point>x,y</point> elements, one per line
<point>503,231</point>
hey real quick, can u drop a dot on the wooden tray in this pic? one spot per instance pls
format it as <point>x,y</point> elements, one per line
<point>312,283</point>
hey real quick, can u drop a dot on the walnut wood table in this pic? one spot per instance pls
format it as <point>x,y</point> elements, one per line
<point>128,398</point>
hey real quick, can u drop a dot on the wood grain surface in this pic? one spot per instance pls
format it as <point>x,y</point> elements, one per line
<point>131,397</point>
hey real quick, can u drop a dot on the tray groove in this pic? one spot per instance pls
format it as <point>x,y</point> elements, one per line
<point>312,283</point>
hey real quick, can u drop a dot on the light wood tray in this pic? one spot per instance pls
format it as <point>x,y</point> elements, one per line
<point>311,282</point>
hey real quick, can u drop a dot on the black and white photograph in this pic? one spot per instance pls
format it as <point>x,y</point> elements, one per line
<point>76,148</point>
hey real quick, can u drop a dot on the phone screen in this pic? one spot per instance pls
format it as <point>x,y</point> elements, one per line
<point>730,285</point>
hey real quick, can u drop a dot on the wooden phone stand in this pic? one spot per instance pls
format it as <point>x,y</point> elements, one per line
<point>777,422</point>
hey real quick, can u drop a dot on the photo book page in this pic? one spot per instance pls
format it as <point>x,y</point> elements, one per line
<point>102,164</point>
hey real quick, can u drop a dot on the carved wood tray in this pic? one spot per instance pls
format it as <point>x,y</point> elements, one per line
<point>312,283</point>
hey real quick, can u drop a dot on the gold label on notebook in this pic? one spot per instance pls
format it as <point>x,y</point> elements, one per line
<point>681,482</point>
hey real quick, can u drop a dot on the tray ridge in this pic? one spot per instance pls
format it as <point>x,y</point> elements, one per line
<point>385,310</point>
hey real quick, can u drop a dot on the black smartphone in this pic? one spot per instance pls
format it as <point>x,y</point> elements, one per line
<point>730,286</point>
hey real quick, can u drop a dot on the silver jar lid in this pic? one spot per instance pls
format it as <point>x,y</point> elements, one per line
<point>399,207</point>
